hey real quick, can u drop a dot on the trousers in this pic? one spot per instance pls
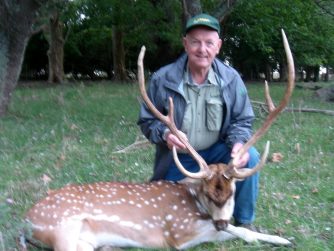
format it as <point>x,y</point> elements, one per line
<point>246,190</point>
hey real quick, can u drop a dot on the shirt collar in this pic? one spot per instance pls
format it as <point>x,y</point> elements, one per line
<point>211,79</point>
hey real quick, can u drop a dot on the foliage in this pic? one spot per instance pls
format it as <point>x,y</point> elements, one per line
<point>252,40</point>
<point>253,33</point>
<point>142,22</point>
<point>68,134</point>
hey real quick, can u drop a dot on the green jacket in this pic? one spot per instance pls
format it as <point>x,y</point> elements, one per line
<point>167,82</point>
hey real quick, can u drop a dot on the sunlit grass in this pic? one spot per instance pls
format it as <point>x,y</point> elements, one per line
<point>68,134</point>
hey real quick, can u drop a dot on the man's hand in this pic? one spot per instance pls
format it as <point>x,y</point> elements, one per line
<point>172,140</point>
<point>242,160</point>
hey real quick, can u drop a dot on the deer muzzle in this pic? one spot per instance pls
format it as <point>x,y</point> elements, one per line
<point>220,225</point>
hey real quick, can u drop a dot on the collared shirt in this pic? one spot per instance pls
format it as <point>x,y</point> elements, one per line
<point>204,111</point>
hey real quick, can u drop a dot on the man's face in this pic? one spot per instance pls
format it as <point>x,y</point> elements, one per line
<point>202,45</point>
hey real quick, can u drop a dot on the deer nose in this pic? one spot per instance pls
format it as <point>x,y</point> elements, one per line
<point>220,225</point>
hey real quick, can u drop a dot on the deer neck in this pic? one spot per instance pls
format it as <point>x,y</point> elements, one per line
<point>195,192</point>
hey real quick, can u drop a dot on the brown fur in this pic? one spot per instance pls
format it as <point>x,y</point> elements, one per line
<point>218,188</point>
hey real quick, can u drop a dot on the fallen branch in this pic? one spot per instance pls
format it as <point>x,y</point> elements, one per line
<point>139,143</point>
<point>2,245</point>
<point>263,106</point>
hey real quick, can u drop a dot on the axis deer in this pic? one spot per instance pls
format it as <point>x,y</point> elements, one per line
<point>152,215</point>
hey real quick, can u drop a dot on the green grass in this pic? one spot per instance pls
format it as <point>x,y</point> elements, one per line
<point>69,134</point>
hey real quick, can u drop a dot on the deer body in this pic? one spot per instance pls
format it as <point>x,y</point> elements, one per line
<point>151,215</point>
<point>117,214</point>
<point>157,214</point>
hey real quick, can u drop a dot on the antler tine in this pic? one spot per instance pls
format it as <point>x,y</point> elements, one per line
<point>269,101</point>
<point>246,172</point>
<point>272,114</point>
<point>168,120</point>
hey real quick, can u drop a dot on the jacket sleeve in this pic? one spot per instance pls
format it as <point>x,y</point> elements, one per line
<point>242,115</point>
<point>150,126</point>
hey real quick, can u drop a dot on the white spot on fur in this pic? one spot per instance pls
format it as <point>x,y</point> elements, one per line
<point>169,217</point>
<point>130,224</point>
<point>97,211</point>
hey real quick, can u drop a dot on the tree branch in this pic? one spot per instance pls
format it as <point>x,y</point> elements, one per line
<point>67,33</point>
<point>318,3</point>
<point>6,5</point>
<point>136,145</point>
<point>38,29</point>
<point>263,106</point>
<point>224,8</point>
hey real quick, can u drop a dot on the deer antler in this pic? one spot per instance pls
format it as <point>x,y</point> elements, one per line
<point>273,114</point>
<point>168,120</point>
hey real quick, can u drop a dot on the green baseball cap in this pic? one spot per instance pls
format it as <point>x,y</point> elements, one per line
<point>203,20</point>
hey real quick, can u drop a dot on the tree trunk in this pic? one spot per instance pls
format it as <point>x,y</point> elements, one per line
<point>316,72</point>
<point>190,8</point>
<point>269,73</point>
<point>283,76</point>
<point>302,74</point>
<point>16,19</point>
<point>308,70</point>
<point>224,9</point>
<point>56,50</point>
<point>118,54</point>
<point>327,74</point>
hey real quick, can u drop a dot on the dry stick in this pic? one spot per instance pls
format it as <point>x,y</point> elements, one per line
<point>2,242</point>
<point>137,144</point>
<point>289,109</point>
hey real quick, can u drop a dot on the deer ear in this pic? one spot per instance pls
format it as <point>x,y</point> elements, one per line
<point>228,173</point>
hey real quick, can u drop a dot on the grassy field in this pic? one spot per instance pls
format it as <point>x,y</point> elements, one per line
<point>69,134</point>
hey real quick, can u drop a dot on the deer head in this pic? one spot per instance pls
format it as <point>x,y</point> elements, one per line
<point>218,180</point>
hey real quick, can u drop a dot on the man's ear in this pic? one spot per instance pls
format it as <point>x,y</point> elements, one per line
<point>184,42</point>
<point>219,46</point>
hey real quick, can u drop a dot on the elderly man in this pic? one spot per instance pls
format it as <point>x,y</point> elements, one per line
<point>212,109</point>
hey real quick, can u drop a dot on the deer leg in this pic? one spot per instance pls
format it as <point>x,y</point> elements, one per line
<point>250,236</point>
<point>108,248</point>
<point>206,232</point>
<point>84,246</point>
<point>67,237</point>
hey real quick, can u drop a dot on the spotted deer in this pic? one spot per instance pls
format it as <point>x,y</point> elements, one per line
<point>156,214</point>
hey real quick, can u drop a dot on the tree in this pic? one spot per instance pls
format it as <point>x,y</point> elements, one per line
<point>56,49</point>
<point>190,8</point>
<point>219,9</point>
<point>119,10</point>
<point>106,34</point>
<point>51,22</point>
<point>49,27</point>
<point>16,20</point>
<point>96,34</point>
<point>253,42</point>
